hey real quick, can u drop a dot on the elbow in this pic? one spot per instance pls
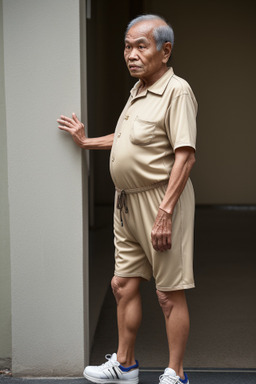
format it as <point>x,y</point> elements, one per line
<point>185,157</point>
<point>191,160</point>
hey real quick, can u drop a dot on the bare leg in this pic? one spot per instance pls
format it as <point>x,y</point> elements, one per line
<point>174,306</point>
<point>129,314</point>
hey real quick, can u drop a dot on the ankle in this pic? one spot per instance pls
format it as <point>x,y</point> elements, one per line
<point>179,371</point>
<point>126,361</point>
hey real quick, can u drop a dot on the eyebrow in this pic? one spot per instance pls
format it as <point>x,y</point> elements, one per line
<point>137,41</point>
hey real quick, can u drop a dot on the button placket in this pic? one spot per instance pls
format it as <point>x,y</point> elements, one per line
<point>119,134</point>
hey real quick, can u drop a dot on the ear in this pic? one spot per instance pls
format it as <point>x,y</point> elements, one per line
<point>167,49</point>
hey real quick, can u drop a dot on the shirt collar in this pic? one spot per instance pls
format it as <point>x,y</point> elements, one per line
<point>158,87</point>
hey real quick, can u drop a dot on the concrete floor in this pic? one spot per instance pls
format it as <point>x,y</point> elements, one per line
<point>150,378</point>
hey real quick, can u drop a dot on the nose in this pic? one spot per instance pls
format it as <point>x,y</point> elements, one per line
<point>133,54</point>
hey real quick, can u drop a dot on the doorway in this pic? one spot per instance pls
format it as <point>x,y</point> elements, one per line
<point>222,311</point>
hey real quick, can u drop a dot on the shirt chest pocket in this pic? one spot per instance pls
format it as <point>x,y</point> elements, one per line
<point>142,132</point>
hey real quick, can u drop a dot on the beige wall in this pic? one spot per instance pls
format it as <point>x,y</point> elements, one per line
<point>48,240</point>
<point>5,271</point>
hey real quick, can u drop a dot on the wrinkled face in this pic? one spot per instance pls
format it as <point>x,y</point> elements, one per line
<point>142,58</point>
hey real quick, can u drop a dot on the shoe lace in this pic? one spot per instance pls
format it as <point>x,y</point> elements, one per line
<point>167,379</point>
<point>108,363</point>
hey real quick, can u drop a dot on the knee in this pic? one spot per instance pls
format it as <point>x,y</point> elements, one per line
<point>125,288</point>
<point>116,285</point>
<point>165,301</point>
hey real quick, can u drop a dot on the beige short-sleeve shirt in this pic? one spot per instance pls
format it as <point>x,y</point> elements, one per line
<point>152,125</point>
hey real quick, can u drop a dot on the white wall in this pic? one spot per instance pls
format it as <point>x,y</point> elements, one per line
<point>43,80</point>
<point>5,270</point>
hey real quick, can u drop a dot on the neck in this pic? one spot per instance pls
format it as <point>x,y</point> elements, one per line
<point>147,82</point>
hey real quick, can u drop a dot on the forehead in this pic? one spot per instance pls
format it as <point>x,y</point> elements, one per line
<point>143,30</point>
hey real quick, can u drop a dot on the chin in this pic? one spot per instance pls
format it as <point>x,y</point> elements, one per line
<point>134,74</point>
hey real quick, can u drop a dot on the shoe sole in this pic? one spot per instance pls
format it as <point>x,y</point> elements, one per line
<point>105,381</point>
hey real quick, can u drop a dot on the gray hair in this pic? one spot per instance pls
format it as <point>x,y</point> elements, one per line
<point>162,34</point>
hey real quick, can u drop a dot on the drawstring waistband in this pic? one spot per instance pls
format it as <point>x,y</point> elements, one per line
<point>121,198</point>
<point>121,203</point>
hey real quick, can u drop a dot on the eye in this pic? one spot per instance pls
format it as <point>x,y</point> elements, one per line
<point>141,47</point>
<point>127,47</point>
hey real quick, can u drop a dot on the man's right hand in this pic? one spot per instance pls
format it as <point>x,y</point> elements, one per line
<point>161,235</point>
<point>74,127</point>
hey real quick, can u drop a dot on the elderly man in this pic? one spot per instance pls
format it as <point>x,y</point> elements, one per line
<point>152,153</point>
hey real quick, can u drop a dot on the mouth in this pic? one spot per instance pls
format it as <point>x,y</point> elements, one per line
<point>133,67</point>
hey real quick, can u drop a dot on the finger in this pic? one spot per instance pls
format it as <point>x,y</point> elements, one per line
<point>63,128</point>
<point>67,119</point>
<point>169,241</point>
<point>160,245</point>
<point>154,241</point>
<point>164,244</point>
<point>75,118</point>
<point>155,246</point>
<point>66,123</point>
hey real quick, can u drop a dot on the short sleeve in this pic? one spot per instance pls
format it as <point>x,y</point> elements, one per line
<point>181,121</point>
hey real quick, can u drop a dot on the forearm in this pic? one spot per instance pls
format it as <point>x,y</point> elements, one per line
<point>178,179</point>
<point>103,142</point>
<point>76,130</point>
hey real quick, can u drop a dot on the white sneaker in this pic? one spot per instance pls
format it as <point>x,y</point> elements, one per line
<point>112,372</point>
<point>170,377</point>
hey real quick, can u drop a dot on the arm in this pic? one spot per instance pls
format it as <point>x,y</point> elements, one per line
<point>161,232</point>
<point>76,130</point>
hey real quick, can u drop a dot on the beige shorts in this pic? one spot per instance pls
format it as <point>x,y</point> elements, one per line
<point>134,253</point>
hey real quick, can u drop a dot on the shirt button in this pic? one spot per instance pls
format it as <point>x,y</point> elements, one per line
<point>119,134</point>
<point>113,159</point>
